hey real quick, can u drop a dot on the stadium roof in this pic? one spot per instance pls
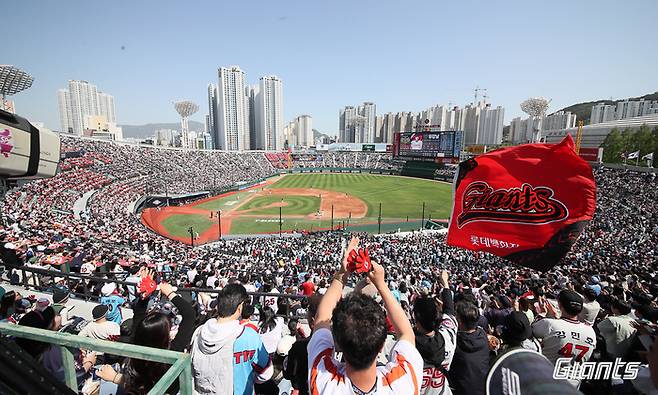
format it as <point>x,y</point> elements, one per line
<point>13,80</point>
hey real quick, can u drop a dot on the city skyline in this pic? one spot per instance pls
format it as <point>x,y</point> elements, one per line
<point>135,62</point>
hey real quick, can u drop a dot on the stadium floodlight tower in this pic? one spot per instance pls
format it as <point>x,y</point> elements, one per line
<point>536,107</point>
<point>185,109</point>
<point>12,81</point>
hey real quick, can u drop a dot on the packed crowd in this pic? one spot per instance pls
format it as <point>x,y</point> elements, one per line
<point>352,160</point>
<point>451,311</point>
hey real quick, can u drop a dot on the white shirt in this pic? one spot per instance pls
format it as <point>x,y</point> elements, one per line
<point>272,301</point>
<point>565,338</point>
<point>401,375</point>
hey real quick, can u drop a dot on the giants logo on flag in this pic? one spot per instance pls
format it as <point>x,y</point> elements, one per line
<point>527,204</point>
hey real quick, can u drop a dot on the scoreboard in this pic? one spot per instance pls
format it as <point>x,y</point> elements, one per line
<point>439,147</point>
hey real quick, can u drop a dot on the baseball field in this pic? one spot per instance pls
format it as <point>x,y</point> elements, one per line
<point>306,202</point>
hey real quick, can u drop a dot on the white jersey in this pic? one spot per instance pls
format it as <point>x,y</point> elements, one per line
<point>272,301</point>
<point>435,381</point>
<point>401,375</point>
<point>565,338</point>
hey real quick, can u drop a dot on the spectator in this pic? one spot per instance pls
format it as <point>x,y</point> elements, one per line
<point>60,299</point>
<point>617,329</point>
<point>307,286</point>
<point>113,301</point>
<point>565,337</point>
<point>296,363</point>
<point>517,332</point>
<point>590,308</point>
<point>270,329</point>
<point>100,328</point>
<point>435,339</point>
<point>226,355</point>
<point>358,326</point>
<point>471,361</point>
<point>49,355</point>
<point>153,330</point>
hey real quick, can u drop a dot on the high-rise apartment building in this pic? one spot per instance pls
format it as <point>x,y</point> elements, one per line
<point>490,131</point>
<point>366,124</point>
<point>305,131</point>
<point>602,113</point>
<point>358,124</point>
<point>347,124</point>
<point>232,112</point>
<point>255,138</point>
<point>269,113</point>
<point>81,101</point>
<point>559,120</point>
<point>212,113</point>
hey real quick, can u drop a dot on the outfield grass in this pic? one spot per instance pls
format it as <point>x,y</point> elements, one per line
<point>295,205</point>
<point>400,196</point>
<point>178,224</point>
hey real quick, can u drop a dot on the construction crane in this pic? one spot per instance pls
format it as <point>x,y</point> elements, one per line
<point>476,92</point>
<point>579,137</point>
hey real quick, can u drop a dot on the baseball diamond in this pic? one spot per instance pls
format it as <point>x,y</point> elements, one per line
<point>306,203</point>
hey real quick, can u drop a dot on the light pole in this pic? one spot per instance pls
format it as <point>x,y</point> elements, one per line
<point>219,223</point>
<point>191,230</point>
<point>279,221</point>
<point>422,219</point>
<point>332,217</point>
<point>379,219</point>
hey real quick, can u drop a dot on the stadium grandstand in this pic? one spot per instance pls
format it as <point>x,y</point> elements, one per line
<point>120,309</point>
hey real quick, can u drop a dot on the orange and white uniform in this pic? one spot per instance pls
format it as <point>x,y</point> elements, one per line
<point>403,374</point>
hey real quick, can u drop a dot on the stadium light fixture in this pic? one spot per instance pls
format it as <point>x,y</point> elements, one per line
<point>13,80</point>
<point>536,107</point>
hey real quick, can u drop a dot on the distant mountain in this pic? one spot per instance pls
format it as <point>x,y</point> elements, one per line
<point>584,110</point>
<point>317,134</point>
<point>147,130</point>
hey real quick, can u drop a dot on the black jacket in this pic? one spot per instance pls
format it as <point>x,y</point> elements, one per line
<point>470,364</point>
<point>296,366</point>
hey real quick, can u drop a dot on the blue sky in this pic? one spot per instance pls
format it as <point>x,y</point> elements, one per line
<point>403,55</point>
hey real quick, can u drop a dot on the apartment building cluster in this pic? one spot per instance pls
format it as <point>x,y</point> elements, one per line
<point>86,111</point>
<point>622,110</point>
<point>525,130</point>
<point>481,123</point>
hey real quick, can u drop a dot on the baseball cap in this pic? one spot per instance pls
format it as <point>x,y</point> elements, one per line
<point>531,372</point>
<point>570,300</point>
<point>517,328</point>
<point>99,312</point>
<point>108,289</point>
<point>60,296</point>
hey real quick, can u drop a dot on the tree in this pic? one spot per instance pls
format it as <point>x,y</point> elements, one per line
<point>613,146</point>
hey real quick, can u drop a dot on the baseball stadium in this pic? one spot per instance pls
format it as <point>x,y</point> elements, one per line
<point>316,198</point>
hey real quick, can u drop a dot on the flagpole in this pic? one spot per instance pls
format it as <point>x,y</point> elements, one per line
<point>637,160</point>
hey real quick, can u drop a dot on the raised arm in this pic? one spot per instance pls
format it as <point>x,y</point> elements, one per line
<point>335,290</point>
<point>402,326</point>
<point>446,295</point>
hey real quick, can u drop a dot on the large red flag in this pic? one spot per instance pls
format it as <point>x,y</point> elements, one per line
<point>527,204</point>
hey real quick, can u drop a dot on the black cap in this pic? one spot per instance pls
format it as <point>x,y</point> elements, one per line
<point>525,372</point>
<point>99,312</point>
<point>571,301</point>
<point>60,296</point>
<point>517,328</point>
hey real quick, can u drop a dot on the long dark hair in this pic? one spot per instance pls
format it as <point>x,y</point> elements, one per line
<point>140,375</point>
<point>267,319</point>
